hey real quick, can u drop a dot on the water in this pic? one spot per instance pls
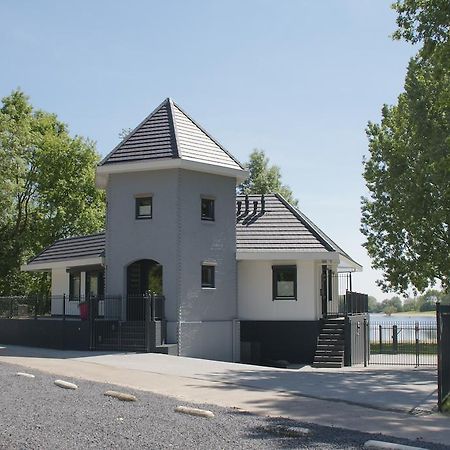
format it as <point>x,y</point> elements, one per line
<point>381,318</point>
<point>408,328</point>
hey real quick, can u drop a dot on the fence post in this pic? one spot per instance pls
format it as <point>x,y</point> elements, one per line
<point>365,341</point>
<point>63,331</point>
<point>11,308</point>
<point>381,338</point>
<point>416,329</point>
<point>394,339</point>
<point>36,305</point>
<point>439,361</point>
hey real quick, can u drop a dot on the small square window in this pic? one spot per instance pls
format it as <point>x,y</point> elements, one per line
<point>207,209</point>
<point>208,276</point>
<point>143,207</point>
<point>284,284</point>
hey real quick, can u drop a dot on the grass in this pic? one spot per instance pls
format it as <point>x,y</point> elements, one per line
<point>415,313</point>
<point>410,348</point>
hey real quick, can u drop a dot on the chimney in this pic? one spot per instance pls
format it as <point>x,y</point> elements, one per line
<point>263,203</point>
<point>255,206</point>
<point>239,205</point>
<point>247,206</point>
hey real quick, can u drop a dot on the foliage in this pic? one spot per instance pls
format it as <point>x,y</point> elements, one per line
<point>264,179</point>
<point>406,218</point>
<point>47,189</point>
<point>425,302</point>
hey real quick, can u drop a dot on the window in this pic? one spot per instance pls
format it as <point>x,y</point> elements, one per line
<point>143,207</point>
<point>207,209</point>
<point>284,285</point>
<point>75,286</point>
<point>208,276</point>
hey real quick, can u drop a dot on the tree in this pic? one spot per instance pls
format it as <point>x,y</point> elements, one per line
<point>374,305</point>
<point>406,217</point>
<point>264,179</point>
<point>47,181</point>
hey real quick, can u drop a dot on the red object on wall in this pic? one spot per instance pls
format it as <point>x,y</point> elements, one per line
<point>84,311</point>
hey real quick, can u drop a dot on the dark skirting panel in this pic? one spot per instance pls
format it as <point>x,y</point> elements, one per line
<point>49,333</point>
<point>268,341</point>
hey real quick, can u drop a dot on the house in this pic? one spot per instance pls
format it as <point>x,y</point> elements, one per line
<point>242,277</point>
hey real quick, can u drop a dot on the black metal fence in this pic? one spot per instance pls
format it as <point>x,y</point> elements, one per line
<point>134,323</point>
<point>405,343</point>
<point>443,339</point>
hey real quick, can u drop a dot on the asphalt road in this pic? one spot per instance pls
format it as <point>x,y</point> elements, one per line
<point>36,414</point>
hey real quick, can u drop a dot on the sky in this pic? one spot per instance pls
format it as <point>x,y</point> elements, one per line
<point>299,79</point>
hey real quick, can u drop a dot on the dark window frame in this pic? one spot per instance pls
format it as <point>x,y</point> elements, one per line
<point>211,217</point>
<point>72,296</point>
<point>275,271</point>
<point>139,199</point>
<point>205,282</point>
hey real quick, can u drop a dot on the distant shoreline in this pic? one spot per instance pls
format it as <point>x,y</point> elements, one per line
<point>409,313</point>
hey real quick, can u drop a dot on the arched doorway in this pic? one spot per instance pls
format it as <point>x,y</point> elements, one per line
<point>144,277</point>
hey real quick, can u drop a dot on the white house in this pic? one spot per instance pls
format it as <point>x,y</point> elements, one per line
<point>246,274</point>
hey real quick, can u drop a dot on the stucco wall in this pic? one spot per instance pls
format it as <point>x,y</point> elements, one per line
<point>255,292</point>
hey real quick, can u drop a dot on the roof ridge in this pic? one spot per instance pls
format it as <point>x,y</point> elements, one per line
<point>208,135</point>
<point>173,126</point>
<point>134,130</point>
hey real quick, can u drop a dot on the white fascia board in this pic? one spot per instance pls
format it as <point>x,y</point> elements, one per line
<point>348,265</point>
<point>62,264</point>
<point>256,255</point>
<point>103,172</point>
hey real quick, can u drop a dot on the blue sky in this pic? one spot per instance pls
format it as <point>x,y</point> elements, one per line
<point>299,79</point>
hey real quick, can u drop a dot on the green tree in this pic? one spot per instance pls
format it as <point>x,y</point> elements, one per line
<point>374,305</point>
<point>406,217</point>
<point>47,181</point>
<point>264,178</point>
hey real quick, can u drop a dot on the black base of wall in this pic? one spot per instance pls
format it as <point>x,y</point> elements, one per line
<point>49,333</point>
<point>268,341</point>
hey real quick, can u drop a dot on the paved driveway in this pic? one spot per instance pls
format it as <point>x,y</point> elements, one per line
<point>380,399</point>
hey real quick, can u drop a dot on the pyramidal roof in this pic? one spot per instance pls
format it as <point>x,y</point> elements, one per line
<point>169,133</point>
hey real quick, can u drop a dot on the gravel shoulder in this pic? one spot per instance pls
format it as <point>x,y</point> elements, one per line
<point>36,414</point>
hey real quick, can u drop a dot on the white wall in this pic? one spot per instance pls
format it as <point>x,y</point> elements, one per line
<point>60,286</point>
<point>255,292</point>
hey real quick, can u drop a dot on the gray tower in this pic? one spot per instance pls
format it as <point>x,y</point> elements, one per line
<point>171,228</point>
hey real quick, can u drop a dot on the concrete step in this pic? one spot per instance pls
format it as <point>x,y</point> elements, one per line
<point>327,365</point>
<point>329,351</point>
<point>329,358</point>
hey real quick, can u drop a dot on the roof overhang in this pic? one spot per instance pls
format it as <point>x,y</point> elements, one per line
<point>348,265</point>
<point>344,264</point>
<point>63,264</point>
<point>104,171</point>
<point>260,255</point>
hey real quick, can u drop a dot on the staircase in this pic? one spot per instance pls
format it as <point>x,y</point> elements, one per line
<point>330,345</point>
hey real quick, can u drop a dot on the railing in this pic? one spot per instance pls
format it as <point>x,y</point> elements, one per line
<point>411,343</point>
<point>133,308</point>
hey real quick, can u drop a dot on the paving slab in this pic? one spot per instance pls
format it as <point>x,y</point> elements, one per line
<point>359,399</point>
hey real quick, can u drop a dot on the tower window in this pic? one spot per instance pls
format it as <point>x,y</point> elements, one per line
<point>208,276</point>
<point>207,209</point>
<point>143,207</point>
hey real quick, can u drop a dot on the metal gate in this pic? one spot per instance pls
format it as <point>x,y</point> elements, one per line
<point>443,337</point>
<point>403,343</point>
<point>131,324</point>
